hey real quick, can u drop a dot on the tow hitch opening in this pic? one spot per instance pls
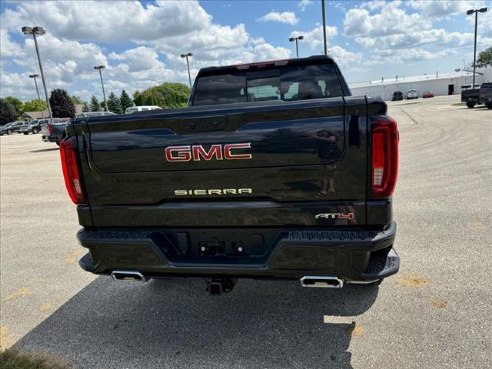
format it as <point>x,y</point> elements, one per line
<point>217,286</point>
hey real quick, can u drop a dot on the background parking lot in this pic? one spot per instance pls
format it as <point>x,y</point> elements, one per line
<point>434,314</point>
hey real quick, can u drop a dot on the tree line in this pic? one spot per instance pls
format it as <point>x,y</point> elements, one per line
<point>167,95</point>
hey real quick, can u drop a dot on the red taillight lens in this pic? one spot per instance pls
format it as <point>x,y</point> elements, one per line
<point>68,153</point>
<point>50,129</point>
<point>384,157</point>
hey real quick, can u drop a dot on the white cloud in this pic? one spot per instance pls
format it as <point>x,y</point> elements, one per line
<point>140,68</point>
<point>17,84</point>
<point>343,57</point>
<point>212,40</point>
<point>109,20</point>
<point>438,37</point>
<point>407,56</point>
<point>303,4</point>
<point>373,5</point>
<point>393,33</point>
<point>139,59</point>
<point>262,50</point>
<point>391,20</point>
<point>116,85</point>
<point>440,9</point>
<point>285,17</point>
<point>7,47</point>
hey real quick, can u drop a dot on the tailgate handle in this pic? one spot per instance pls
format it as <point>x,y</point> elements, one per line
<point>210,124</point>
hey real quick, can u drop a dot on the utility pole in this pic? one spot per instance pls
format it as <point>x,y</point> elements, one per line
<point>37,90</point>
<point>99,68</point>
<point>324,27</point>
<point>188,64</point>
<point>39,31</point>
<point>469,12</point>
<point>296,39</point>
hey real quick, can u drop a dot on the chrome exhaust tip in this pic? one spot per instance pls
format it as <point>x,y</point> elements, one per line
<point>128,275</point>
<point>321,282</point>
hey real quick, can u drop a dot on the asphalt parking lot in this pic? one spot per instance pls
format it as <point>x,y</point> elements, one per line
<point>434,314</point>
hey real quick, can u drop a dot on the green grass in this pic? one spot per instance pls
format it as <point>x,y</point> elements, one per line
<point>14,359</point>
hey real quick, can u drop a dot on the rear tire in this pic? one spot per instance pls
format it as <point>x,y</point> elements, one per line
<point>26,133</point>
<point>34,131</point>
<point>489,105</point>
<point>9,131</point>
<point>470,104</point>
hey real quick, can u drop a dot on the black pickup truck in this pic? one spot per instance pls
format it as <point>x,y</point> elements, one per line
<point>482,95</point>
<point>273,171</point>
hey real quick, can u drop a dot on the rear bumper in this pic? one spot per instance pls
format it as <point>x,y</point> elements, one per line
<point>354,255</point>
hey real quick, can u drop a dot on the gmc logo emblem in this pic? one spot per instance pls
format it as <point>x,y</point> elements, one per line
<point>198,152</point>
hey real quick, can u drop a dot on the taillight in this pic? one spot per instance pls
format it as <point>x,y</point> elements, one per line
<point>384,163</point>
<point>50,128</point>
<point>68,153</point>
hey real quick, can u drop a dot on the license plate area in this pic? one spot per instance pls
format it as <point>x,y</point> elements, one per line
<point>220,245</point>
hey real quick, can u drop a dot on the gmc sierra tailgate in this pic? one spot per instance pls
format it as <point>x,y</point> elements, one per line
<point>254,164</point>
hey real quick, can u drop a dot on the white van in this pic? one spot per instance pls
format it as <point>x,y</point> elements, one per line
<point>135,109</point>
<point>412,94</point>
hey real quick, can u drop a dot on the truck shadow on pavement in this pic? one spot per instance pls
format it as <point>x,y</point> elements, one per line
<point>173,323</point>
<point>46,150</point>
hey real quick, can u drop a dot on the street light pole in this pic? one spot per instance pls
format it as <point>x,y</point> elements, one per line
<point>469,12</point>
<point>99,68</point>
<point>188,64</point>
<point>39,31</point>
<point>37,90</point>
<point>324,27</point>
<point>296,39</point>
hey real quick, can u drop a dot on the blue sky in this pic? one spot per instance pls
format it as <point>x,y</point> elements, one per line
<point>140,42</point>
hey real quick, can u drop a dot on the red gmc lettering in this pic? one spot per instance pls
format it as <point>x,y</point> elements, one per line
<point>198,152</point>
<point>215,150</point>
<point>178,153</point>
<point>230,156</point>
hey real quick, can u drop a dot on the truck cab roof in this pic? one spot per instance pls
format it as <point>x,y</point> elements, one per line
<point>268,63</point>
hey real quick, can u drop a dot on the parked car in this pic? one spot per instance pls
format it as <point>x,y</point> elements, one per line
<point>34,126</point>
<point>23,126</point>
<point>88,114</point>
<point>427,94</point>
<point>4,130</point>
<point>13,127</point>
<point>412,94</point>
<point>135,109</point>
<point>397,96</point>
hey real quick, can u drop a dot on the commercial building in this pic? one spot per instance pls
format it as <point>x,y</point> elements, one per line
<point>439,84</point>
